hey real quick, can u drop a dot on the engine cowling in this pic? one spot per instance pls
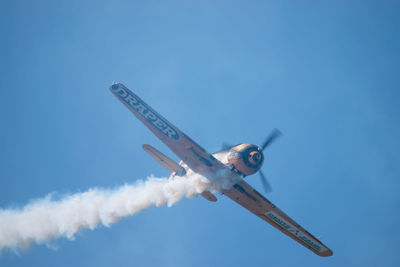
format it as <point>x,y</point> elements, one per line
<point>247,159</point>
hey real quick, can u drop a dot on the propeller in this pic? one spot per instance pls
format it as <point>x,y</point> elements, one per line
<point>226,145</point>
<point>269,140</point>
<point>267,186</point>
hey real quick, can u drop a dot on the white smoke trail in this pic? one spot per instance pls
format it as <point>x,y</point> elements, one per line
<point>45,220</point>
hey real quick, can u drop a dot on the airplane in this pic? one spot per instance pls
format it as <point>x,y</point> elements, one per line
<point>237,161</point>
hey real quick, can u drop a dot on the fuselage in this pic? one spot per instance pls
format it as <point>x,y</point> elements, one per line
<point>244,159</point>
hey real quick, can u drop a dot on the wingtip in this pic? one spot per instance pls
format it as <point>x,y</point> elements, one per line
<point>326,253</point>
<point>115,85</point>
<point>146,146</point>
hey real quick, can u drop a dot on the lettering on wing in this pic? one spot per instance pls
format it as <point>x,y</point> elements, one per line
<point>145,111</point>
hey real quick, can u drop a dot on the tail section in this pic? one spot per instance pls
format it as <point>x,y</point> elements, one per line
<point>166,162</point>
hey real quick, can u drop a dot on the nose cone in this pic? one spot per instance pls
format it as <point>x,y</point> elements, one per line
<point>255,157</point>
<point>246,158</point>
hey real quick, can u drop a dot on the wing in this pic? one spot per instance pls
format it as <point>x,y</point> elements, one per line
<point>250,199</point>
<point>185,148</point>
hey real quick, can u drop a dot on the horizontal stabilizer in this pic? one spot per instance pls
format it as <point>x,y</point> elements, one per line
<point>210,197</point>
<point>166,162</point>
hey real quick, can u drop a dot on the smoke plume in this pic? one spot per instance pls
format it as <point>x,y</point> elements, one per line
<point>45,220</point>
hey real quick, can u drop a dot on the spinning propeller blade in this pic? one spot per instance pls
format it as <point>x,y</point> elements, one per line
<point>226,146</point>
<point>267,186</point>
<point>272,136</point>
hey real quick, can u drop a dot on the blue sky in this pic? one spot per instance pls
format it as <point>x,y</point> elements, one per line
<point>325,74</point>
